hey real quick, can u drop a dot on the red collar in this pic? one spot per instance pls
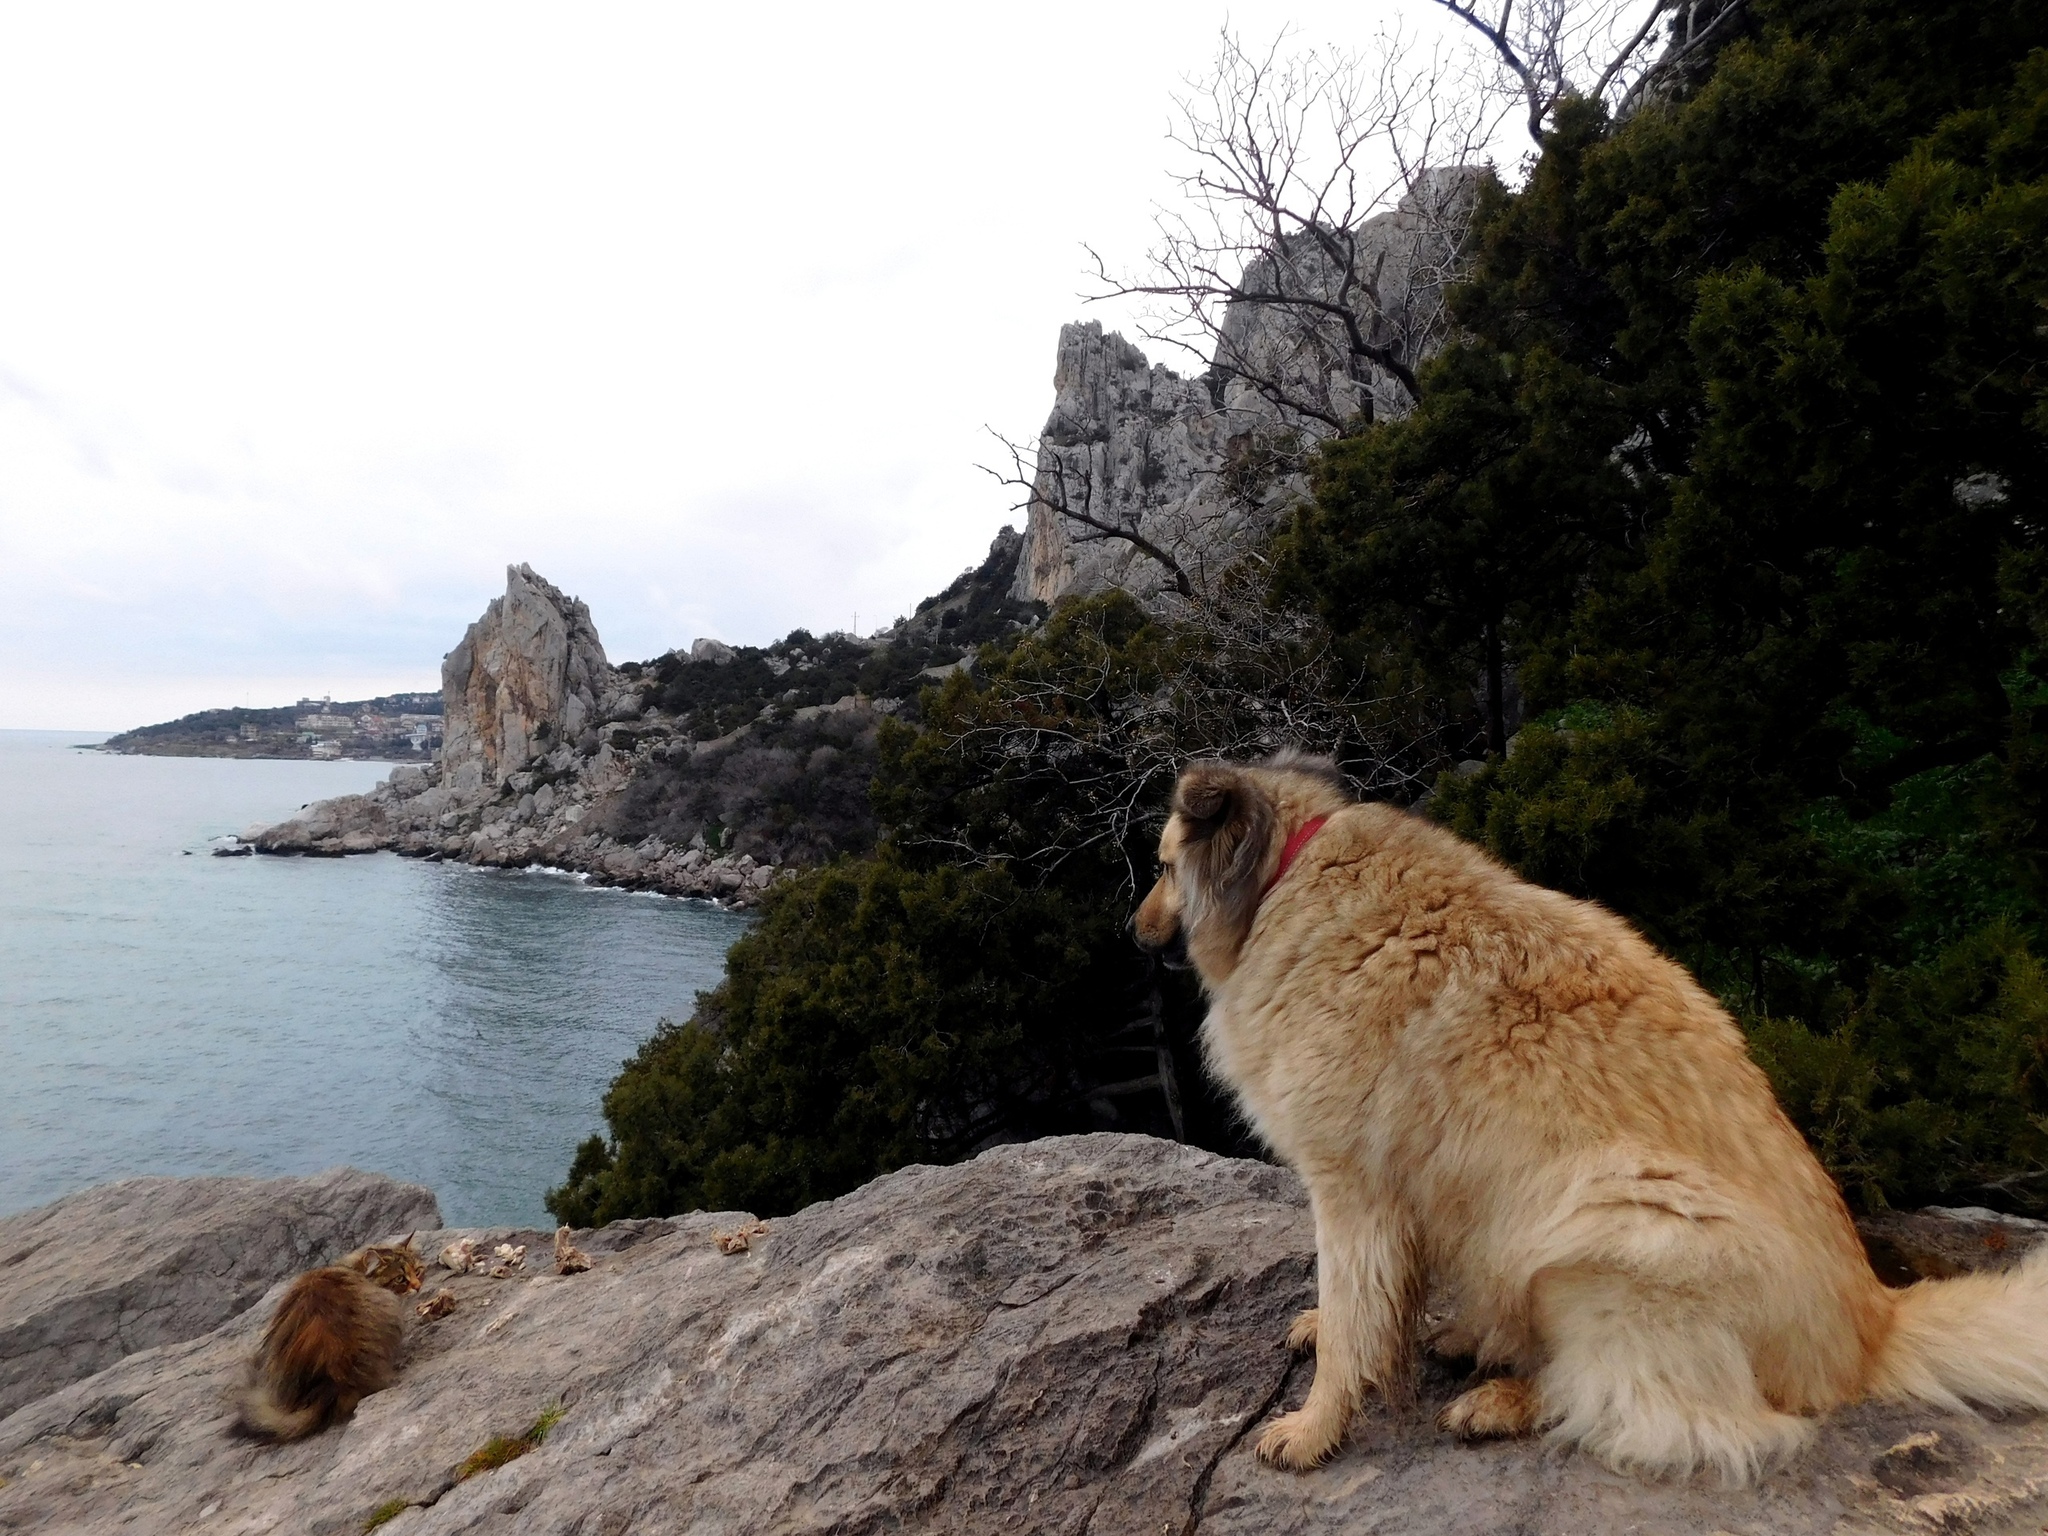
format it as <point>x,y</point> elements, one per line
<point>1295,844</point>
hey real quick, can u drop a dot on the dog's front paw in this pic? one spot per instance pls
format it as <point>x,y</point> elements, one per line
<point>1301,1440</point>
<point>1492,1410</point>
<point>1301,1338</point>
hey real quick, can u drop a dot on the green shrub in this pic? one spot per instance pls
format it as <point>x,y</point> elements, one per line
<point>1743,453</point>
<point>878,1015</point>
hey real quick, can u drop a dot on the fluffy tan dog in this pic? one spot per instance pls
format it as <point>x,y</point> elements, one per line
<point>1509,1094</point>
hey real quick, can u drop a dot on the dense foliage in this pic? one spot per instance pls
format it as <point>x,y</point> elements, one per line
<point>1741,457</point>
<point>1709,579</point>
<point>772,765</point>
<point>786,791</point>
<point>802,670</point>
<point>880,1014</point>
<point>969,981</point>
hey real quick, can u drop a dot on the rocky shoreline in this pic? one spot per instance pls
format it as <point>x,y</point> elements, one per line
<point>409,815</point>
<point>543,737</point>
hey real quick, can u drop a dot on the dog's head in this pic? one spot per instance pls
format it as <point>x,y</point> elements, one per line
<point>1220,847</point>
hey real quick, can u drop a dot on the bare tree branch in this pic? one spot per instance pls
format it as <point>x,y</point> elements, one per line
<point>1322,215</point>
<point>1685,48</point>
<point>1555,49</point>
<point>1241,676</point>
<point>1048,486</point>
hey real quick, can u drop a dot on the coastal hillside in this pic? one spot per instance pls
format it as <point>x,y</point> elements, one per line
<point>402,727</point>
<point>702,772</point>
<point>1702,573</point>
<point>1700,570</point>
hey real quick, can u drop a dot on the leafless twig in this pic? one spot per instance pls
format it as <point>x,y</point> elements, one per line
<point>1235,675</point>
<point>1321,214</point>
<point>1549,50</point>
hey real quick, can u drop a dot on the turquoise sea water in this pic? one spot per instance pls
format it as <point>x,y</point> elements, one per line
<point>163,1011</point>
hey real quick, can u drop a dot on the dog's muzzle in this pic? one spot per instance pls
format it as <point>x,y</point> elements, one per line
<point>1173,954</point>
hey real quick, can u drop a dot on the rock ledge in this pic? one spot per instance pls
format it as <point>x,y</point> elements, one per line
<point>1070,1335</point>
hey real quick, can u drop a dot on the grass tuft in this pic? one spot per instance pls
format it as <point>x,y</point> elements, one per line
<point>390,1509</point>
<point>500,1449</point>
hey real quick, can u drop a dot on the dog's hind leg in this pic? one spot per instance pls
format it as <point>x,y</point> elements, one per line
<point>1368,1281</point>
<point>1652,1380</point>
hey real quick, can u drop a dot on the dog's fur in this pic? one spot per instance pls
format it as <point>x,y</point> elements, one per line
<point>1509,1095</point>
<point>333,1340</point>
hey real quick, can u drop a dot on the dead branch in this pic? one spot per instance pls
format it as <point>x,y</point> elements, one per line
<point>1549,50</point>
<point>1069,493</point>
<point>1241,677</point>
<point>1320,220</point>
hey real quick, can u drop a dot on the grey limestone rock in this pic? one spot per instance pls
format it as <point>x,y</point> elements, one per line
<point>540,733</point>
<point>128,1266</point>
<point>530,671</point>
<point>1081,1334</point>
<point>1199,465</point>
<point>1940,1241</point>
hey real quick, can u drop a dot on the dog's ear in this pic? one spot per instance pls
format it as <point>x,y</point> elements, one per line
<point>1227,830</point>
<point>1204,796</point>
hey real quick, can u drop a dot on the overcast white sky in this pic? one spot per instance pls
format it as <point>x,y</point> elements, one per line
<point>312,318</point>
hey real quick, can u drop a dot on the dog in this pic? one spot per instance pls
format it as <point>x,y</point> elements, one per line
<point>333,1340</point>
<point>1509,1095</point>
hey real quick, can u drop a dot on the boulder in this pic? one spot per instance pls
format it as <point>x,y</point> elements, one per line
<point>144,1262</point>
<point>1078,1334</point>
<point>346,824</point>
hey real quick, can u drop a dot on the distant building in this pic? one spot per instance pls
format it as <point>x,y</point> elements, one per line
<point>327,749</point>
<point>324,722</point>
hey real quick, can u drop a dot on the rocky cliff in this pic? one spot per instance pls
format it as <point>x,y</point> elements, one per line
<point>702,773</point>
<point>528,676</point>
<point>1074,1335</point>
<point>1196,466</point>
<point>543,737</point>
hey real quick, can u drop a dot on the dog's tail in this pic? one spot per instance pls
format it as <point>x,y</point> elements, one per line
<point>1977,1340</point>
<point>261,1416</point>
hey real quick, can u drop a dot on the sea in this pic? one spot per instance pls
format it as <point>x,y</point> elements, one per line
<point>163,1011</point>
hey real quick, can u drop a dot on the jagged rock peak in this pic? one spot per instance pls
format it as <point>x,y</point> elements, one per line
<point>1198,467</point>
<point>1129,442</point>
<point>529,674</point>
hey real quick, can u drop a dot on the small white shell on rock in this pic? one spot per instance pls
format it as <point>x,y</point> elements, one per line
<point>461,1255</point>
